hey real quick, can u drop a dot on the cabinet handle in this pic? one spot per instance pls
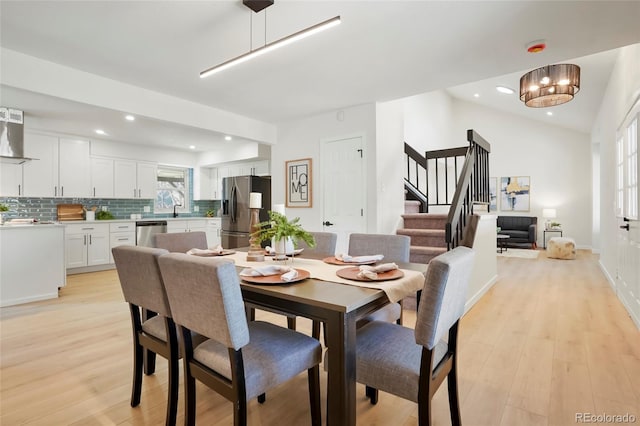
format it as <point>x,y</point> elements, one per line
<point>62,191</point>
<point>87,229</point>
<point>123,227</point>
<point>94,191</point>
<point>123,239</point>
<point>85,240</point>
<point>19,189</point>
<point>134,193</point>
<point>55,191</point>
<point>90,242</point>
<point>139,193</point>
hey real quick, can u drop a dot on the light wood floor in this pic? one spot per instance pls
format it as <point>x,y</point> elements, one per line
<point>548,341</point>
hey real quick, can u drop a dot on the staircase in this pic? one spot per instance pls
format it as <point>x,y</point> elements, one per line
<point>438,180</point>
<point>427,233</point>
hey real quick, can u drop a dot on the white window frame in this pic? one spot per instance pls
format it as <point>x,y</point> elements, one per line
<point>627,164</point>
<point>185,191</point>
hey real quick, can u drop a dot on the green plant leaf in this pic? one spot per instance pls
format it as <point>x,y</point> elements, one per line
<point>279,227</point>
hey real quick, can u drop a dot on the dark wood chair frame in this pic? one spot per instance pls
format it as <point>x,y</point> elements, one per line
<point>431,378</point>
<point>145,348</point>
<point>233,390</point>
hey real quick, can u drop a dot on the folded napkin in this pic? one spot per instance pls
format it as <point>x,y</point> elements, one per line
<point>265,270</point>
<point>290,276</point>
<point>270,250</point>
<point>359,259</point>
<point>371,272</point>
<point>205,252</point>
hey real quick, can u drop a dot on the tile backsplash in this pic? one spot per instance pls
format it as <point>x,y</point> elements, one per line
<point>46,208</point>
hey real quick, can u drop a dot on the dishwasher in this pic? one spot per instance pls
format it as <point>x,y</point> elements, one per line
<point>146,231</point>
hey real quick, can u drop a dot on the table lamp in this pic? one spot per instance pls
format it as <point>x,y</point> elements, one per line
<point>256,254</point>
<point>548,214</point>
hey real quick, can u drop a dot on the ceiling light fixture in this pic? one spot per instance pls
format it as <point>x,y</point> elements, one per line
<point>476,95</point>
<point>227,138</point>
<point>505,90</point>
<point>101,132</point>
<point>550,85</point>
<point>129,117</point>
<point>257,6</point>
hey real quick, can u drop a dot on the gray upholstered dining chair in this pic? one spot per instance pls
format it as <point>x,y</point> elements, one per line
<point>325,245</point>
<point>181,242</point>
<point>395,248</point>
<point>241,359</point>
<point>154,332</point>
<point>413,363</point>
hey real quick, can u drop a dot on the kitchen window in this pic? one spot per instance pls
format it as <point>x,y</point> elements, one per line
<point>172,189</point>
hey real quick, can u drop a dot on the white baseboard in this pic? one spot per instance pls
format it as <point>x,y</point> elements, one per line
<point>620,295</point>
<point>474,299</point>
<point>609,278</point>
<point>21,300</point>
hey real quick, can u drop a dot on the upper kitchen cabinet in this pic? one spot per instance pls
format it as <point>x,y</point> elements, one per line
<point>62,168</point>
<point>135,179</point>
<point>204,183</point>
<point>102,185</point>
<point>10,180</point>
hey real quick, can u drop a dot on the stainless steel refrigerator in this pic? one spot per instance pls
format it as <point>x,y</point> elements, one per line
<point>236,227</point>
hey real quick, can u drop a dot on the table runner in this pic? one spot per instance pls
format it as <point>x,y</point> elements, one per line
<point>395,290</point>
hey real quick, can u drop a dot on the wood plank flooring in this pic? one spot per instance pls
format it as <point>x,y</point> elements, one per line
<point>549,340</point>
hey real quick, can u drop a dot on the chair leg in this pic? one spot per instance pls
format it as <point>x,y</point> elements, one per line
<point>291,323</point>
<point>262,398</point>
<point>136,388</point>
<point>240,415</point>
<point>454,402</point>
<point>424,412</point>
<point>172,398</point>
<point>149,362</point>
<point>189,399</point>
<point>314,395</point>
<point>372,394</point>
<point>315,330</point>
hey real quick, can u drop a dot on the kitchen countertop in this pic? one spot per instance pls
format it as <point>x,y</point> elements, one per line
<point>144,219</point>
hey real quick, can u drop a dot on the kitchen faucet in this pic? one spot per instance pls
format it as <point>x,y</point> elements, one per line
<point>175,213</point>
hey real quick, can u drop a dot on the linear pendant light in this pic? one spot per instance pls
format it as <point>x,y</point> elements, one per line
<point>273,46</point>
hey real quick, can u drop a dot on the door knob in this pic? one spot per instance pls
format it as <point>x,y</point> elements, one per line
<point>327,223</point>
<point>625,227</point>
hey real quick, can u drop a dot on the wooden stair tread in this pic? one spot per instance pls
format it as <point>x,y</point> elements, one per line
<point>424,216</point>
<point>414,231</point>
<point>427,250</point>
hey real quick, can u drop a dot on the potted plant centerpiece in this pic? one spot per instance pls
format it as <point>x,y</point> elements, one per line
<point>278,229</point>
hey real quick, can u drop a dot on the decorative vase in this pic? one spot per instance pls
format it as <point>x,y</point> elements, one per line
<point>282,247</point>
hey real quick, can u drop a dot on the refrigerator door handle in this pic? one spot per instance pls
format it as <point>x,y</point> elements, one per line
<point>234,206</point>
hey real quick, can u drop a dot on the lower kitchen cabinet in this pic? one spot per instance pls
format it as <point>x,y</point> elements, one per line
<point>87,245</point>
<point>121,234</point>
<point>213,232</point>
<point>186,225</point>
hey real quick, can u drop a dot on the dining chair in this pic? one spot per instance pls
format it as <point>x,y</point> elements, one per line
<point>395,248</point>
<point>240,360</point>
<point>325,245</point>
<point>154,332</point>
<point>413,363</point>
<point>181,242</point>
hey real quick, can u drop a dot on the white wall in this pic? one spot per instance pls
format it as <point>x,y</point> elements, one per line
<point>622,91</point>
<point>557,160</point>
<point>389,176</point>
<point>428,121</point>
<point>301,139</point>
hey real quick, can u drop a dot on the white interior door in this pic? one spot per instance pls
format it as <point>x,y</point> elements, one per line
<point>344,191</point>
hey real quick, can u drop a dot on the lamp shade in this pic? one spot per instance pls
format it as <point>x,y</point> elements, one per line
<point>549,213</point>
<point>550,85</point>
<point>255,200</point>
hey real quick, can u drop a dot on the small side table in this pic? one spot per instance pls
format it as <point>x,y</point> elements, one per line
<point>544,235</point>
<point>502,242</point>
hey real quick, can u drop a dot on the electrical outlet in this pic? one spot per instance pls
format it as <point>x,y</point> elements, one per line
<point>196,208</point>
<point>104,208</point>
<point>147,209</point>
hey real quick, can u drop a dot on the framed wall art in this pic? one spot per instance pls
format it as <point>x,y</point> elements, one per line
<point>493,194</point>
<point>515,193</point>
<point>298,181</point>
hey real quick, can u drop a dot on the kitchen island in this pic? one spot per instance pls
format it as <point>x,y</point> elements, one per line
<point>32,264</point>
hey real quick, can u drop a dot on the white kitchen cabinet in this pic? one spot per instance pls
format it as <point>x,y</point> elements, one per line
<point>204,180</point>
<point>10,180</point>
<point>135,179</point>
<point>87,245</point>
<point>261,168</point>
<point>102,177</point>
<point>62,168</point>
<point>121,234</point>
<point>186,225</point>
<point>213,229</point>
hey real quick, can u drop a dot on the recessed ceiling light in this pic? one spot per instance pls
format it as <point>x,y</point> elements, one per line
<point>549,113</point>
<point>101,132</point>
<point>129,117</point>
<point>227,138</point>
<point>476,95</point>
<point>192,147</point>
<point>505,90</point>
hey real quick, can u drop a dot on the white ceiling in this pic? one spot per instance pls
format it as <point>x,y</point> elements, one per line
<point>383,50</point>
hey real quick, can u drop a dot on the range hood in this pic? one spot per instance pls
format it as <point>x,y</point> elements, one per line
<point>12,136</point>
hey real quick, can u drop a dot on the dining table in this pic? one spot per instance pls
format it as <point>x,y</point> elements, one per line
<point>339,303</point>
